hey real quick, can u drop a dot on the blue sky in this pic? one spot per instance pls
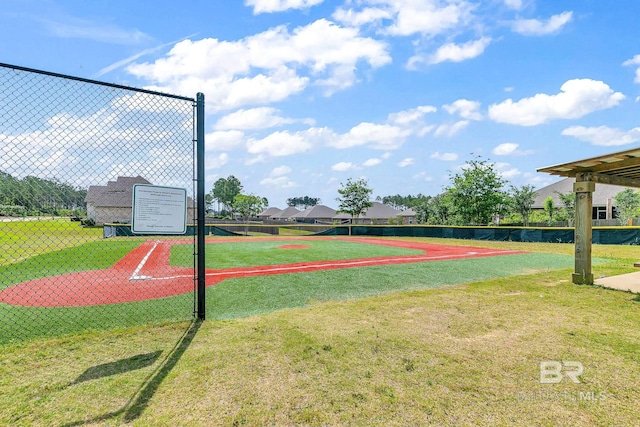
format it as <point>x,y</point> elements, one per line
<point>303,94</point>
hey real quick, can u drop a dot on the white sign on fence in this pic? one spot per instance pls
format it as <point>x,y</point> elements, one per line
<point>159,210</point>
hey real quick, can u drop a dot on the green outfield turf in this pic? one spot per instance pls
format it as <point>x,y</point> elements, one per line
<point>269,252</point>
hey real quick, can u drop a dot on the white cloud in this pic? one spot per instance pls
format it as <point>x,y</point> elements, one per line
<point>513,4</point>
<point>405,162</point>
<point>535,27</point>
<point>386,136</point>
<point>577,98</point>
<point>446,157</point>
<point>411,116</point>
<point>422,176</point>
<point>278,178</point>
<point>256,118</point>
<point>509,149</point>
<point>372,162</point>
<point>358,18</point>
<point>451,129</point>
<point>634,61</point>
<point>506,171</point>
<point>452,52</point>
<point>603,135</point>
<point>223,140</point>
<point>405,18</point>
<point>378,136</point>
<point>83,29</point>
<point>279,182</point>
<point>284,143</point>
<point>426,17</point>
<point>270,6</point>
<point>216,162</point>
<point>342,166</point>
<point>260,158</point>
<point>465,108</point>
<point>238,73</point>
<point>280,171</point>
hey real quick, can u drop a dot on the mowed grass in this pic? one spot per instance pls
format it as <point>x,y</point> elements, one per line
<point>22,239</point>
<point>271,252</point>
<point>457,355</point>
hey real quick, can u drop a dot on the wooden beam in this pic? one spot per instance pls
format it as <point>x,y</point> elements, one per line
<point>583,189</point>
<point>609,179</point>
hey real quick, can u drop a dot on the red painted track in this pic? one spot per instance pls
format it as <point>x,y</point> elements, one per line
<point>145,273</point>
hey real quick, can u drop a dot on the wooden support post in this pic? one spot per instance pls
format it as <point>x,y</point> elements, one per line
<point>583,188</point>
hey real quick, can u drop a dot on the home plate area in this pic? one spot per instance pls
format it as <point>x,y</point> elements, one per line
<point>145,273</point>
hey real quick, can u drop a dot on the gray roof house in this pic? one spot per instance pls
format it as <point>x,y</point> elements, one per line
<point>378,213</point>
<point>318,213</point>
<point>112,203</point>
<point>269,213</point>
<point>408,216</point>
<point>602,198</point>
<point>286,214</point>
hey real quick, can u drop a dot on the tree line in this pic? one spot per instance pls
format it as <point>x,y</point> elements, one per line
<point>37,196</point>
<point>476,195</point>
<point>479,195</point>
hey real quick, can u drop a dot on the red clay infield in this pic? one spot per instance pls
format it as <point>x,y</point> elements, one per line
<point>145,273</point>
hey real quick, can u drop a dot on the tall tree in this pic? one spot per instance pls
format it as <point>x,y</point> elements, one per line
<point>627,204</point>
<point>440,210</point>
<point>476,192</point>
<point>354,198</point>
<point>304,202</point>
<point>521,200</point>
<point>248,205</point>
<point>549,208</point>
<point>568,201</point>
<point>225,190</point>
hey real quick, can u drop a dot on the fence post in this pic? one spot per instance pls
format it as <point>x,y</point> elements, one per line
<point>200,204</point>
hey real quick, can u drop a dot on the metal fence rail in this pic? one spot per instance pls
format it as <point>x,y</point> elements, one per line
<point>70,152</point>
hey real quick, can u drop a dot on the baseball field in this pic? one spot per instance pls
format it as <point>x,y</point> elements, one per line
<point>316,331</point>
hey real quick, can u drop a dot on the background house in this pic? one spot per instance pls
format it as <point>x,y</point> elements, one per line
<point>602,198</point>
<point>112,203</point>
<point>378,213</point>
<point>318,213</point>
<point>269,213</point>
<point>285,215</point>
<point>408,216</point>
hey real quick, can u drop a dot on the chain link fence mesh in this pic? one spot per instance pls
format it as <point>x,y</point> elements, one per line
<point>70,152</point>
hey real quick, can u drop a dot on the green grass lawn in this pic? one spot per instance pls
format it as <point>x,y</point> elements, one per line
<point>457,355</point>
<point>441,343</point>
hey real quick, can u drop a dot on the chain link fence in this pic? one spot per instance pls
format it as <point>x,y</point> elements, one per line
<point>71,151</point>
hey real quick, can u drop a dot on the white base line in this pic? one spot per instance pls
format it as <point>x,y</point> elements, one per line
<point>135,276</point>
<point>293,268</point>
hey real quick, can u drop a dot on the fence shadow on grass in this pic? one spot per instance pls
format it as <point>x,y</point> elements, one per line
<point>121,366</point>
<point>143,395</point>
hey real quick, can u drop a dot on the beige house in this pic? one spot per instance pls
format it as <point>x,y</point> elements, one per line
<point>314,214</point>
<point>378,213</point>
<point>603,204</point>
<point>112,203</point>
